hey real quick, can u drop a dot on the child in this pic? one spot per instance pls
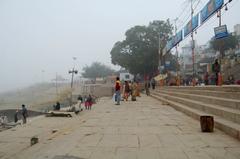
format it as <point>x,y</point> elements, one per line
<point>89,102</point>
<point>85,102</point>
<point>80,101</point>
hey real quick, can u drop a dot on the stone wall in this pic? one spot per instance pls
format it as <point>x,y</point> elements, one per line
<point>99,90</point>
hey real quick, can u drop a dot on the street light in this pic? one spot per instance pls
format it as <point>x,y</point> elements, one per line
<point>73,71</point>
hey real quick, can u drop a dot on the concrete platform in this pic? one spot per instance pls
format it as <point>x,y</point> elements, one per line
<point>145,129</point>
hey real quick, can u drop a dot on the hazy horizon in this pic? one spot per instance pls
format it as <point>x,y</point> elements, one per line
<point>40,38</point>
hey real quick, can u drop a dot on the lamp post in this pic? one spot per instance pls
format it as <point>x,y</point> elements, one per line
<point>73,71</point>
<point>193,47</point>
<point>177,55</point>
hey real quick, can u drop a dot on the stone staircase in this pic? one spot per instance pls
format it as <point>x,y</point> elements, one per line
<point>221,102</point>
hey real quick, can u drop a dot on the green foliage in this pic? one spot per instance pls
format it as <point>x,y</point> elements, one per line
<point>224,44</point>
<point>97,70</point>
<point>138,53</point>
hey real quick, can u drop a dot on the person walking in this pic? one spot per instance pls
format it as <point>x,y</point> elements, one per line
<point>24,114</point>
<point>138,90</point>
<point>216,70</point>
<point>80,101</point>
<point>118,91</point>
<point>134,90</point>
<point>89,102</point>
<point>130,88</point>
<point>153,83</point>
<point>85,101</point>
<point>147,87</point>
<point>206,80</point>
<point>126,90</point>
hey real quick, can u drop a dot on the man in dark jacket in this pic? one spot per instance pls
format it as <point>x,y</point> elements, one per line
<point>24,114</point>
<point>216,70</point>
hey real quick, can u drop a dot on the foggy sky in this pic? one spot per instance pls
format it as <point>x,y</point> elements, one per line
<point>39,37</point>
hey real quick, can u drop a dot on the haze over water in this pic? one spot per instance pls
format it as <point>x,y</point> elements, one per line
<point>40,38</point>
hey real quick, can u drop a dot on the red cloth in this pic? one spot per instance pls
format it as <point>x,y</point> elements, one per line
<point>238,82</point>
<point>117,86</point>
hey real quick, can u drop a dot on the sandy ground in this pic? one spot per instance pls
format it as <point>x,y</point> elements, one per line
<point>145,129</point>
<point>34,97</point>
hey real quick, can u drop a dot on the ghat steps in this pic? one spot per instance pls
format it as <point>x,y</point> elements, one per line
<point>221,102</point>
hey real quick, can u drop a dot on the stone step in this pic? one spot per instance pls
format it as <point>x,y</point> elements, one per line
<point>227,113</point>
<point>224,88</point>
<point>226,126</point>
<point>225,102</point>
<point>222,94</point>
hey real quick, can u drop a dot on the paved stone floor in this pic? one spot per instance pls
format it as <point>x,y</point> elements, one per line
<point>144,129</point>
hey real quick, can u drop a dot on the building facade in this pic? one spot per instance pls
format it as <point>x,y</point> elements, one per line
<point>237,29</point>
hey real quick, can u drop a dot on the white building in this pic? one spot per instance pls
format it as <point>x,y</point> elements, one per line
<point>186,59</point>
<point>237,29</point>
<point>126,77</point>
<point>186,54</point>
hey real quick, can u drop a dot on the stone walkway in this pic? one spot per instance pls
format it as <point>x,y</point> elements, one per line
<point>144,129</point>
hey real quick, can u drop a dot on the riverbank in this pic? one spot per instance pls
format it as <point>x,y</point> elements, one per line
<point>142,129</point>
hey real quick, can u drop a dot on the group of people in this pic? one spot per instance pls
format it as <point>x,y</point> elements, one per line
<point>88,102</point>
<point>207,79</point>
<point>130,89</point>
<point>127,89</point>
<point>214,78</point>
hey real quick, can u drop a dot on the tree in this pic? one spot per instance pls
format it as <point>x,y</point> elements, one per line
<point>224,44</point>
<point>138,53</point>
<point>97,70</point>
